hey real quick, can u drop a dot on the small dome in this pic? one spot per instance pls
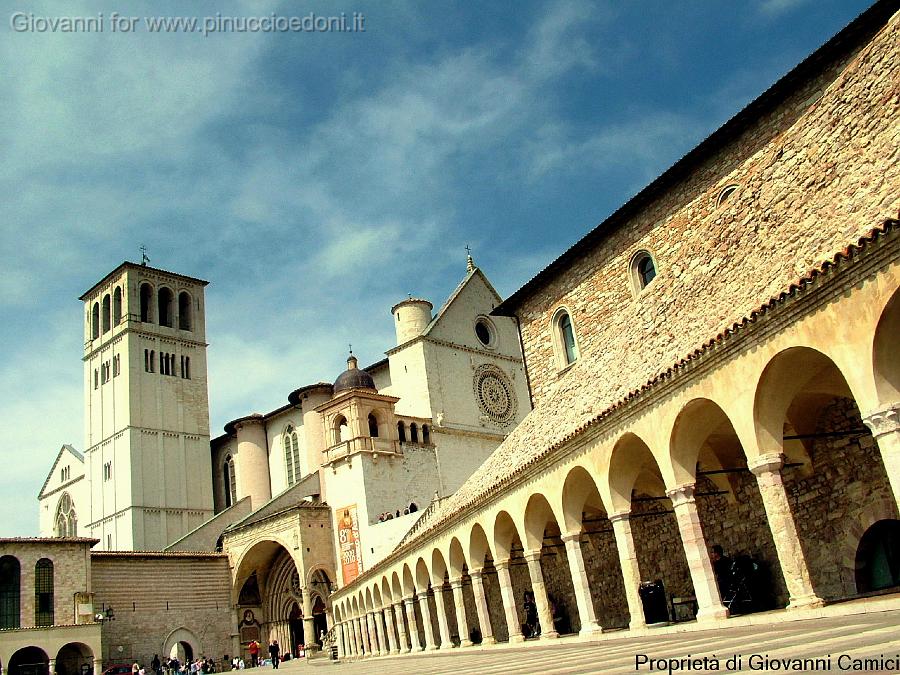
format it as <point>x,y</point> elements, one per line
<point>353,378</point>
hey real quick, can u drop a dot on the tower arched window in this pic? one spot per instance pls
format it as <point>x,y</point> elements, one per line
<point>117,306</point>
<point>426,434</point>
<point>184,311</point>
<point>340,429</point>
<point>146,303</point>
<point>43,592</point>
<point>165,302</point>
<point>66,518</point>
<point>401,431</point>
<point>10,581</point>
<point>413,433</point>
<point>95,321</point>
<point>230,481</point>
<point>291,454</point>
<point>107,313</point>
<point>373,425</point>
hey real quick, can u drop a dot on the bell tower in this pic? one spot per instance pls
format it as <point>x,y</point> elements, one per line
<point>147,455</point>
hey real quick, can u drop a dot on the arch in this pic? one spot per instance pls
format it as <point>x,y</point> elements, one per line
<point>438,567</point>
<point>396,586</point>
<point>230,480</point>
<point>261,555</point>
<point>409,586</point>
<point>107,313</point>
<point>877,563</point>
<point>66,520</point>
<point>165,307</point>
<point>10,592</point>
<point>643,270</point>
<point>413,433</point>
<point>423,576</point>
<point>386,593</point>
<point>885,355</point>
<point>630,460</point>
<point>340,430</point>
<point>43,592</point>
<point>479,547</point>
<point>505,534</point>
<point>95,321</point>
<point>700,424</point>
<point>146,296</point>
<point>184,311</point>
<point>117,306</point>
<point>725,193</point>
<point>565,342</point>
<point>579,492</point>
<point>401,431</point>
<point>456,558</point>
<point>182,644</point>
<point>789,373</point>
<point>426,435</point>
<point>28,661</point>
<point>74,658</point>
<point>538,514</point>
<point>373,425</point>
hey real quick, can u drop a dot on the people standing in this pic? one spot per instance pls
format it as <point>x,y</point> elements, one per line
<point>274,649</point>
<point>253,648</point>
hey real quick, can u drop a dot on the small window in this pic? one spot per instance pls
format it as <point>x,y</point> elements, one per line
<point>401,432</point>
<point>413,433</point>
<point>146,301</point>
<point>10,584</point>
<point>564,338</point>
<point>107,313</point>
<point>95,321</point>
<point>184,311</point>
<point>43,592</point>
<point>230,482</point>
<point>643,270</point>
<point>426,434</point>
<point>165,302</point>
<point>373,426</point>
<point>291,455</point>
<point>726,192</point>
<point>107,471</point>
<point>484,331</point>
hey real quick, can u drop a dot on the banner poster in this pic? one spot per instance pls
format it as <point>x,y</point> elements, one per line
<point>351,550</point>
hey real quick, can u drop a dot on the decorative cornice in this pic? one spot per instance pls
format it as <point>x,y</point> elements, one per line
<point>883,422</point>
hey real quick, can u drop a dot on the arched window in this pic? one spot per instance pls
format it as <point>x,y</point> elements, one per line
<point>9,592</point>
<point>117,306</point>
<point>291,454</point>
<point>401,432</point>
<point>426,434</point>
<point>165,305</point>
<point>413,433</point>
<point>643,270</point>
<point>95,321</point>
<point>564,338</point>
<point>726,192</point>
<point>373,426</point>
<point>340,429</point>
<point>66,518</point>
<point>152,361</point>
<point>184,311</point>
<point>146,302</point>
<point>230,481</point>
<point>43,592</point>
<point>107,313</point>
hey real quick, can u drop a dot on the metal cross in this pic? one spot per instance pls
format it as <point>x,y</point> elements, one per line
<point>144,258</point>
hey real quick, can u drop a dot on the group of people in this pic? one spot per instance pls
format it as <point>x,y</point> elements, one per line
<point>171,666</point>
<point>387,515</point>
<point>254,648</point>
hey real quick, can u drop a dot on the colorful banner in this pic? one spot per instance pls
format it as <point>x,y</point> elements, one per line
<point>348,538</point>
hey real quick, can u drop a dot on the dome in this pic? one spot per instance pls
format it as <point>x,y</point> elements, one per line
<point>353,378</point>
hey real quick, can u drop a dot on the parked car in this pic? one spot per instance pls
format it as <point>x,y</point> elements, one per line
<point>118,669</point>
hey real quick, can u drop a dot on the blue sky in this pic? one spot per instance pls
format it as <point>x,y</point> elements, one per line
<point>317,178</point>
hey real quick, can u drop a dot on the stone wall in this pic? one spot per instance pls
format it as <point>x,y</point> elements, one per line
<point>601,562</point>
<point>154,595</point>
<point>813,175</point>
<point>659,548</point>
<point>832,500</point>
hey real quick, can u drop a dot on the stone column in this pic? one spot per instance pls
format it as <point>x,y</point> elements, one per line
<point>459,606</point>
<point>709,602</point>
<point>355,646</point>
<point>589,624</point>
<point>631,571</point>
<point>364,634</point>
<point>885,426</point>
<point>98,666</point>
<point>426,621</point>
<point>767,469</point>
<point>373,636</point>
<point>388,615</point>
<point>405,644</point>
<point>443,625</point>
<point>545,616</point>
<point>51,667</point>
<point>379,633</point>
<point>509,601</point>
<point>309,626</point>
<point>413,625</point>
<point>481,608</point>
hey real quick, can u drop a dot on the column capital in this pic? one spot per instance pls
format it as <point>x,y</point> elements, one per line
<point>408,600</point>
<point>532,556</point>
<point>570,536</point>
<point>763,464</point>
<point>476,573</point>
<point>884,421</point>
<point>456,582</point>
<point>683,494</point>
<point>619,516</point>
<point>502,564</point>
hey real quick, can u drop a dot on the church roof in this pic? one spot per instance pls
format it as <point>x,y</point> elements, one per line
<point>863,26</point>
<point>64,449</point>
<point>353,378</point>
<point>471,273</point>
<point>135,266</point>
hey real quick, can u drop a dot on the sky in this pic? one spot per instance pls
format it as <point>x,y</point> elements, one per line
<point>317,178</point>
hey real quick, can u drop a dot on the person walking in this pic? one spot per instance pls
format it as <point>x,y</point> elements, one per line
<point>253,648</point>
<point>274,649</point>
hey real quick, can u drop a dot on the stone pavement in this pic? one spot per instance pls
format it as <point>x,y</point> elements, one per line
<point>837,641</point>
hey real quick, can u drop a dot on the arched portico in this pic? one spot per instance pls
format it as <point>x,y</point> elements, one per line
<point>28,661</point>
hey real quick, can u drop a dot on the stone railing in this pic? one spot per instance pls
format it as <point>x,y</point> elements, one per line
<point>372,446</point>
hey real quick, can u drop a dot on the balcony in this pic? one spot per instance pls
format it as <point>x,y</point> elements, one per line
<point>366,444</point>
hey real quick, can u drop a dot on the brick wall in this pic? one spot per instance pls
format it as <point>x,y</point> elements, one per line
<point>155,594</point>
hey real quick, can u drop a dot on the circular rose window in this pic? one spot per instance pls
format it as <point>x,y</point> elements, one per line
<point>494,393</point>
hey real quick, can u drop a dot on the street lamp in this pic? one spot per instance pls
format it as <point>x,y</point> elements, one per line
<point>107,615</point>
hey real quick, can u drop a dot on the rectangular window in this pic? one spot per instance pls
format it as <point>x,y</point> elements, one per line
<point>107,471</point>
<point>43,593</point>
